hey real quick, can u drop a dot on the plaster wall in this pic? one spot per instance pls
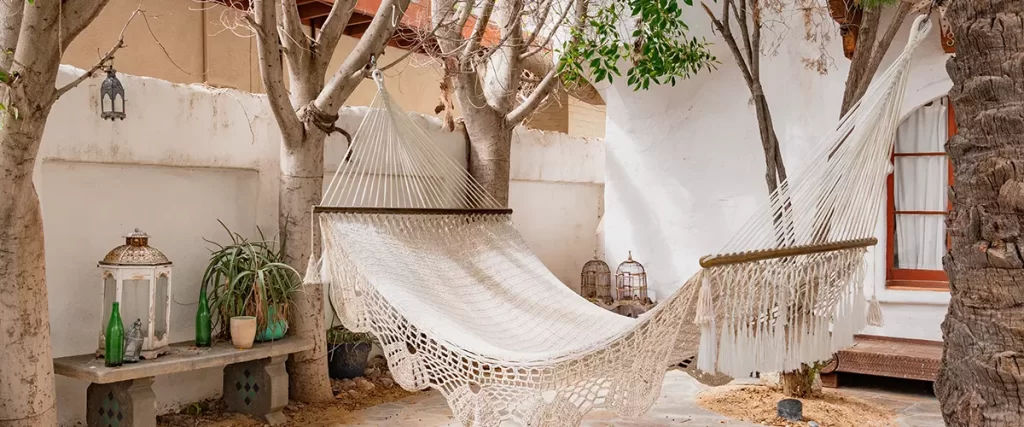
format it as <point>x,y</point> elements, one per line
<point>685,168</point>
<point>188,155</point>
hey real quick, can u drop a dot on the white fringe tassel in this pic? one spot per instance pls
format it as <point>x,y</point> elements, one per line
<point>875,312</point>
<point>707,352</point>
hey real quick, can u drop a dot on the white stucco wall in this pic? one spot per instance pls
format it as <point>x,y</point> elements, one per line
<point>685,166</point>
<point>190,155</point>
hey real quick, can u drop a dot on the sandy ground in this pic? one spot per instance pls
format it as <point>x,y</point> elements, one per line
<point>757,404</point>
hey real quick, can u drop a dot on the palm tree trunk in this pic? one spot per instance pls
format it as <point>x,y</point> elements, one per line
<point>981,380</point>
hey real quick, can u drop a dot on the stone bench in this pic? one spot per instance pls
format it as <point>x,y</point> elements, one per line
<point>255,380</point>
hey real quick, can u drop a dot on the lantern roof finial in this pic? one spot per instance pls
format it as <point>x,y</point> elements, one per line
<point>135,251</point>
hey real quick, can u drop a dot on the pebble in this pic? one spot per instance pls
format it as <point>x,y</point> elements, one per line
<point>353,393</point>
<point>812,424</point>
<point>387,382</point>
<point>363,384</point>
<point>373,373</point>
<point>347,384</point>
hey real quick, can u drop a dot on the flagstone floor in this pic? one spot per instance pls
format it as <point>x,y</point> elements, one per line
<point>676,407</point>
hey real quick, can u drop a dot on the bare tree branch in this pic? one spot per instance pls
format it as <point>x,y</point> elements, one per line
<point>294,41</point>
<point>881,47</point>
<point>730,40</point>
<point>11,13</point>
<point>370,45</point>
<point>528,106</point>
<point>330,33</point>
<point>102,62</point>
<point>76,15</point>
<point>540,21</point>
<point>544,88</point>
<point>479,29</point>
<point>264,21</point>
<point>861,56</point>
<point>551,35</point>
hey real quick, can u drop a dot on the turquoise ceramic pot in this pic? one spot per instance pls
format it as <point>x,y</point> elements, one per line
<point>275,329</point>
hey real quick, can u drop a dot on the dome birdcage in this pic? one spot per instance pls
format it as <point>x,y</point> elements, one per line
<point>631,281</point>
<point>596,280</point>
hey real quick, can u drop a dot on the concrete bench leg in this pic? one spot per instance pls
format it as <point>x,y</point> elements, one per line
<point>258,388</point>
<point>122,404</point>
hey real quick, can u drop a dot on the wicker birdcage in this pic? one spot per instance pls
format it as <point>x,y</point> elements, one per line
<point>596,281</point>
<point>631,281</point>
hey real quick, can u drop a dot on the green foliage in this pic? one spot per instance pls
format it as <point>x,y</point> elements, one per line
<point>658,48</point>
<point>340,335</point>
<point>246,278</point>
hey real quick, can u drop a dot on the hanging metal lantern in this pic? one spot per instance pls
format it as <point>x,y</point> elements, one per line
<point>631,281</point>
<point>110,90</point>
<point>596,281</point>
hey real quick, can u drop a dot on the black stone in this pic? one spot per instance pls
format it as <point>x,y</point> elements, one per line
<point>101,411</point>
<point>791,409</point>
<point>247,388</point>
<point>110,413</point>
<point>247,374</point>
<point>110,395</point>
<point>238,386</point>
<point>256,388</point>
<point>247,401</point>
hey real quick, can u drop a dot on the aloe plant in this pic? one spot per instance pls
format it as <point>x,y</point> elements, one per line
<point>246,278</point>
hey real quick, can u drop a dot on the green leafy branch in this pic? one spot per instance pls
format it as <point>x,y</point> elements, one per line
<point>658,49</point>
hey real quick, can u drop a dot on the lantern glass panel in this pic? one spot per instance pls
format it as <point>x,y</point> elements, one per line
<point>106,103</point>
<point>109,295</point>
<point>160,323</point>
<point>135,303</point>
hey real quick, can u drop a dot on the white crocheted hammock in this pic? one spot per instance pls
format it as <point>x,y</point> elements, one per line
<point>417,253</point>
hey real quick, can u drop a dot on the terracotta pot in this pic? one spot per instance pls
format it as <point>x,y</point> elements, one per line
<point>243,331</point>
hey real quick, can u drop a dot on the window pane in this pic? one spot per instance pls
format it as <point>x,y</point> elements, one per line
<point>160,322</point>
<point>135,304</point>
<point>920,241</point>
<point>921,183</point>
<point>924,131</point>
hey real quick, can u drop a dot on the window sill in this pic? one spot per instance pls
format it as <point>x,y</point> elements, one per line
<point>918,285</point>
<point>914,296</point>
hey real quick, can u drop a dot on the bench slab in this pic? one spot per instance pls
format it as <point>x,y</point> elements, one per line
<point>182,357</point>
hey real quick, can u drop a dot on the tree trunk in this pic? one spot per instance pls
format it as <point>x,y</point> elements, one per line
<point>27,395</point>
<point>490,148</point>
<point>302,175</point>
<point>799,384</point>
<point>981,381</point>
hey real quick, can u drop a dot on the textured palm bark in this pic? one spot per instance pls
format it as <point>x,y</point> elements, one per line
<point>980,382</point>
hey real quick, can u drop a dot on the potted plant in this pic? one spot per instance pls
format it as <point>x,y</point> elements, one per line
<point>347,353</point>
<point>250,289</point>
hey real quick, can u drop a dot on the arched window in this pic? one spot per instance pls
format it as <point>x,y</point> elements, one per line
<point>918,199</point>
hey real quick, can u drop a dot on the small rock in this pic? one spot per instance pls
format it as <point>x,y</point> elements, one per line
<point>812,424</point>
<point>347,384</point>
<point>353,393</point>
<point>387,382</point>
<point>373,373</point>
<point>378,362</point>
<point>363,384</point>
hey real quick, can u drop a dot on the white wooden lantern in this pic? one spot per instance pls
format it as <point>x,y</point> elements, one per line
<point>138,277</point>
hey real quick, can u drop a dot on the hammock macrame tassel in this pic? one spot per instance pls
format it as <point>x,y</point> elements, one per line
<point>312,271</point>
<point>874,312</point>
<point>707,352</point>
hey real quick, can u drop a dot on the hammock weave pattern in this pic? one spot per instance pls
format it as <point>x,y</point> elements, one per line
<point>417,253</point>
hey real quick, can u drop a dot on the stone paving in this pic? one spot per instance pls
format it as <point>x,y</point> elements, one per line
<point>675,407</point>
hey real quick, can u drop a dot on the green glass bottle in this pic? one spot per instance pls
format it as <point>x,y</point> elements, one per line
<point>113,354</point>
<point>203,320</point>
